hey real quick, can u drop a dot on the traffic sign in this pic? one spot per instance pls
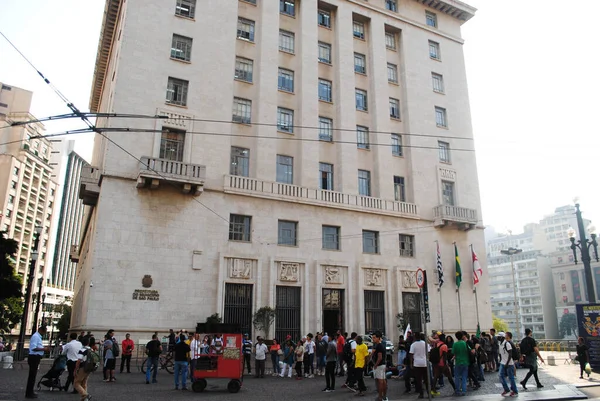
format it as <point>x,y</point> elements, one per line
<point>420,278</point>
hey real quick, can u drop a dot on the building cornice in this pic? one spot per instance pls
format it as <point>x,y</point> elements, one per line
<point>454,8</point>
<point>107,32</point>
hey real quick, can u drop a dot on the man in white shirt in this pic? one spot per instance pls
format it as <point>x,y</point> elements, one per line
<point>260,356</point>
<point>418,357</point>
<point>194,354</point>
<point>36,352</point>
<point>309,368</point>
<point>71,350</point>
<point>507,366</point>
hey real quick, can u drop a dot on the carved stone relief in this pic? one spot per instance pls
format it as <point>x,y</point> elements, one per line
<point>289,271</point>
<point>447,174</point>
<point>334,275</point>
<point>409,279</point>
<point>240,268</point>
<point>373,277</point>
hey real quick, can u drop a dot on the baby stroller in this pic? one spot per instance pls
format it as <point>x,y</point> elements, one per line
<point>52,378</point>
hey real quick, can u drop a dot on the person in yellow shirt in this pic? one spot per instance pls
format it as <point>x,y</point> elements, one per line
<point>360,360</point>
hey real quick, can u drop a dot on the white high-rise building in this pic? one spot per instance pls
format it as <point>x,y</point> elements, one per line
<point>312,154</point>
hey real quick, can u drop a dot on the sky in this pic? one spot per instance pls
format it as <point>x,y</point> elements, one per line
<point>532,69</point>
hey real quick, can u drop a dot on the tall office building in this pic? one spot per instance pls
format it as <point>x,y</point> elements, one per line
<point>311,155</point>
<point>27,190</point>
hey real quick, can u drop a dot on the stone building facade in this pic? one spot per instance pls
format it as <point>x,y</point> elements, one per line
<point>306,156</point>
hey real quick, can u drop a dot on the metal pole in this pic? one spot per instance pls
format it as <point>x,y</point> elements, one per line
<point>30,278</point>
<point>441,308</point>
<point>585,257</point>
<point>428,382</point>
<point>459,309</point>
<point>37,305</point>
<point>513,273</point>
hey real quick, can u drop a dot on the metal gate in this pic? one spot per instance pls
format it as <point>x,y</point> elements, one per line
<point>238,306</point>
<point>411,309</point>
<point>374,311</point>
<point>287,305</point>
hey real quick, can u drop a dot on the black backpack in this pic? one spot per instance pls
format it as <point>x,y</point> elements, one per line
<point>115,348</point>
<point>435,355</point>
<point>515,354</point>
<point>348,355</point>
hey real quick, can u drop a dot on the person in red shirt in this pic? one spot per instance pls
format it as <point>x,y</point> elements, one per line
<point>341,341</point>
<point>127,347</point>
<point>441,368</point>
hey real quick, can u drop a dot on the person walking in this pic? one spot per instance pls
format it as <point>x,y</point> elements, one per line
<point>247,351</point>
<point>127,346</point>
<point>330,363</point>
<point>438,357</point>
<point>418,359</point>
<point>180,351</point>
<point>88,344</point>
<point>36,352</point>
<point>153,350</point>
<point>507,366</point>
<point>531,353</point>
<point>583,356</point>
<point>299,359</point>
<point>461,363</point>
<point>275,351</point>
<point>71,350</point>
<point>360,359</point>
<point>379,366</point>
<point>341,341</point>
<point>260,357</point>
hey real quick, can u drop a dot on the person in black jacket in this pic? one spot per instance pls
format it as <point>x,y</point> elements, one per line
<point>531,353</point>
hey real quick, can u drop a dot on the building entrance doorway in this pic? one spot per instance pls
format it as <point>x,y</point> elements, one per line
<point>411,308</point>
<point>333,310</point>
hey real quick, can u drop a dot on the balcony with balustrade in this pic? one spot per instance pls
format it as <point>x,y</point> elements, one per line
<point>89,185</point>
<point>311,196</point>
<point>454,217</point>
<point>74,254</point>
<point>186,176</point>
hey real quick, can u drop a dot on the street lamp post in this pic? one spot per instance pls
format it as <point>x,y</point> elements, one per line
<point>512,252</point>
<point>44,310</point>
<point>32,264</point>
<point>584,247</point>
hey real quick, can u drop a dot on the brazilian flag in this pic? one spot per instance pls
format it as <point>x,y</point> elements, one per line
<point>458,270</point>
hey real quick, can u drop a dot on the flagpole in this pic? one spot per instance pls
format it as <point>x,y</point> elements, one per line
<point>458,294</point>
<point>475,288</point>
<point>440,288</point>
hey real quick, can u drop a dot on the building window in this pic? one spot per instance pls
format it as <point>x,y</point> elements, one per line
<point>240,161</point>
<point>325,52</point>
<point>181,48</point>
<point>11,199</point>
<point>396,145</point>
<point>325,90</point>
<point>287,231</point>
<point>448,193</point>
<point>287,7</point>
<point>13,185</point>
<point>242,110</point>
<point>438,82</point>
<point>358,28</point>
<point>407,245</point>
<point>399,189</point>
<point>370,241</point>
<point>177,91</point>
<point>185,8</point>
<point>440,117</point>
<point>286,80</point>
<point>287,41</point>
<point>394,108</point>
<point>245,29</point>
<point>391,5</point>
<point>8,213</point>
<point>325,129</point>
<point>361,100</point>
<point>390,41</point>
<point>171,144</point>
<point>331,237</point>
<point>326,176</point>
<point>324,19</point>
<point>239,227</point>
<point>431,19</point>
<point>360,63</point>
<point>392,73</point>
<point>444,151</point>
<point>364,182</point>
<point>243,69</point>
<point>285,169</point>
<point>434,50</point>
<point>16,171</point>
<point>285,120</point>
<point>362,137</point>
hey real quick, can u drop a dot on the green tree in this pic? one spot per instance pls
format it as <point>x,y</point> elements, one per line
<point>567,325</point>
<point>263,319</point>
<point>11,297</point>
<point>64,322</point>
<point>499,324</point>
<point>214,318</point>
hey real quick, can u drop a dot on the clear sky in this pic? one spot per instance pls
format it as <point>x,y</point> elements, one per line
<point>532,68</point>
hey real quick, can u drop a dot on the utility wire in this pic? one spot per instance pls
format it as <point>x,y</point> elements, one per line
<point>72,115</point>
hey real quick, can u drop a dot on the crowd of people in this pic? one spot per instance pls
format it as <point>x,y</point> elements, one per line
<point>422,361</point>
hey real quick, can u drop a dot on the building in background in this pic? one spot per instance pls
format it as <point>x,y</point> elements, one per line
<point>312,154</point>
<point>27,189</point>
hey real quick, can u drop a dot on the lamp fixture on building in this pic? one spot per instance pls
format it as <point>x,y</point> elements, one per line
<point>584,247</point>
<point>512,252</point>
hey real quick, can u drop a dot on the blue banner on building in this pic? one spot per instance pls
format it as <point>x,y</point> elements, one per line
<point>588,318</point>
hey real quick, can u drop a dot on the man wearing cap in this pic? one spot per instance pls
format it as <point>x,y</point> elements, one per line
<point>247,350</point>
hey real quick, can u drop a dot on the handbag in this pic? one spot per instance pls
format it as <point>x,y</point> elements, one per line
<point>280,352</point>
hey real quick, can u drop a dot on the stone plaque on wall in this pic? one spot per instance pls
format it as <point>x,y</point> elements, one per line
<point>374,277</point>
<point>240,268</point>
<point>447,174</point>
<point>289,271</point>
<point>409,279</point>
<point>333,274</point>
